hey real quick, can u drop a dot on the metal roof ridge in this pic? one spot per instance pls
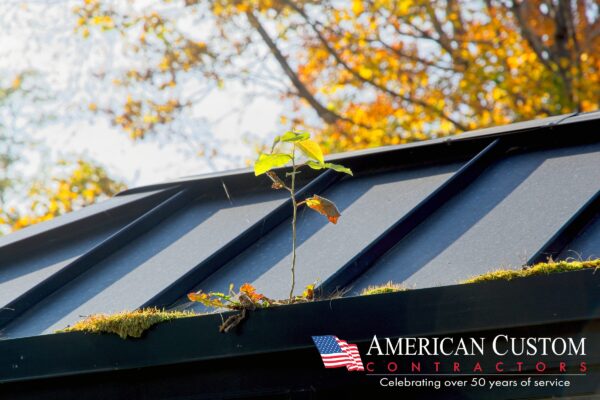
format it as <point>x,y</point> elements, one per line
<point>72,218</point>
<point>483,133</point>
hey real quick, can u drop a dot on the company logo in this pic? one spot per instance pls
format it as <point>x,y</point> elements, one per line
<point>501,354</point>
<point>462,362</point>
<point>337,353</point>
<point>456,356</point>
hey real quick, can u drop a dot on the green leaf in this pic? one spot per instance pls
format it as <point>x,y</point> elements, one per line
<point>315,165</point>
<point>339,168</point>
<point>311,149</point>
<point>267,162</point>
<point>335,167</point>
<point>294,136</point>
<point>275,141</point>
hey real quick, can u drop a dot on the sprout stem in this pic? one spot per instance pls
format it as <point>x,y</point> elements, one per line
<point>295,212</point>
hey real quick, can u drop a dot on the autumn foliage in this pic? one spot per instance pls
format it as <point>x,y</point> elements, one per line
<point>357,73</point>
<point>82,184</point>
<point>371,72</point>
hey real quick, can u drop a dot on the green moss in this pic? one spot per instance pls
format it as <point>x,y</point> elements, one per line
<point>389,287</point>
<point>538,269</point>
<point>546,268</point>
<point>135,323</point>
<point>126,323</point>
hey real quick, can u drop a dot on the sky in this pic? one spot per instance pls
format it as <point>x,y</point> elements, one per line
<point>38,35</point>
<point>141,163</point>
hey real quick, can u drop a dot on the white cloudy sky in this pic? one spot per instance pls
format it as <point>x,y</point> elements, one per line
<point>38,35</point>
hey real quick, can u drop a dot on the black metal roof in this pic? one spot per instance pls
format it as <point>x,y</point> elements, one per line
<point>425,214</point>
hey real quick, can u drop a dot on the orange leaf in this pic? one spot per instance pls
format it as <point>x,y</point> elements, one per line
<point>324,206</point>
<point>250,291</point>
<point>247,288</point>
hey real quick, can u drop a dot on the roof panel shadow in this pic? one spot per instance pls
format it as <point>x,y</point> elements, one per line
<point>586,245</point>
<point>26,259</point>
<point>131,276</point>
<point>499,221</point>
<point>21,274</point>
<point>368,204</point>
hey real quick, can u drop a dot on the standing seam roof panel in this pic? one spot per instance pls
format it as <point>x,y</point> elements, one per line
<point>499,221</point>
<point>586,245</point>
<point>134,274</point>
<point>368,205</point>
<point>18,276</point>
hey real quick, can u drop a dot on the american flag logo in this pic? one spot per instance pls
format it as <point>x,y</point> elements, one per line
<point>338,353</point>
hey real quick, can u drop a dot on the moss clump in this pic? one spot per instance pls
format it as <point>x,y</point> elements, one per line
<point>537,269</point>
<point>126,323</point>
<point>546,268</point>
<point>389,287</point>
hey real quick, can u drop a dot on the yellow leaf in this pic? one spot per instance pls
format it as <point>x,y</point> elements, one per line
<point>357,7</point>
<point>266,162</point>
<point>365,72</point>
<point>150,119</point>
<point>309,292</point>
<point>311,149</point>
<point>404,6</point>
<point>16,83</point>
<point>497,93</point>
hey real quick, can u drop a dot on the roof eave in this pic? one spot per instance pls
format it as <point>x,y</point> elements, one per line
<point>446,310</point>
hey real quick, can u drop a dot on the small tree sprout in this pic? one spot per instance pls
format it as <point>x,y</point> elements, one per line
<point>298,143</point>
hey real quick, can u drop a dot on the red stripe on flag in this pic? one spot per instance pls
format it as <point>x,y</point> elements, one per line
<point>351,350</point>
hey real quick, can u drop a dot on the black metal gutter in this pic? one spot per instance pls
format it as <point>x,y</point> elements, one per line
<point>362,261</point>
<point>299,375</point>
<point>568,231</point>
<point>228,252</point>
<point>86,261</point>
<point>447,310</point>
